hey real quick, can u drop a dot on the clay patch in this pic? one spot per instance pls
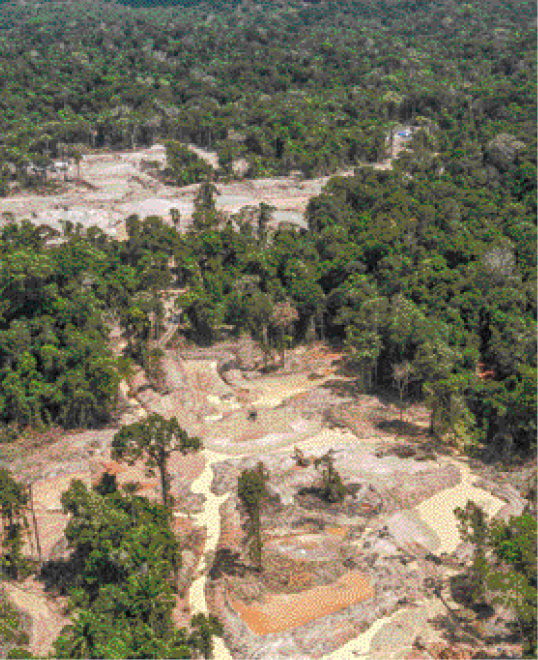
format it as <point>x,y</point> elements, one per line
<point>287,611</point>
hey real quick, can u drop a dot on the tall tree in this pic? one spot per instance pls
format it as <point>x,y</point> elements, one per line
<point>283,317</point>
<point>252,492</point>
<point>153,440</point>
<point>13,509</point>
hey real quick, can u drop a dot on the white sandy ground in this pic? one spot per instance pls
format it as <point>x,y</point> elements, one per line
<point>280,388</point>
<point>46,622</point>
<point>389,632</point>
<point>209,518</point>
<point>390,637</point>
<point>120,187</point>
<point>438,511</point>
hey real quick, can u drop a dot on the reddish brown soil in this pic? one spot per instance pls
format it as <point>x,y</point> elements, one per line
<point>287,611</point>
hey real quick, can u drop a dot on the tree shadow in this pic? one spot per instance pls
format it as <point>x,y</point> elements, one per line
<point>345,368</point>
<point>454,630</point>
<point>342,388</point>
<point>402,427</point>
<point>497,454</point>
<point>228,562</point>
<point>269,369</point>
<point>58,575</point>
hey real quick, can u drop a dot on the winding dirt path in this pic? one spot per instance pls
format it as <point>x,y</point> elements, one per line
<point>210,519</point>
<point>47,622</point>
<point>387,637</point>
<point>438,511</point>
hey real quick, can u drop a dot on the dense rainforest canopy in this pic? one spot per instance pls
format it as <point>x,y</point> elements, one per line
<point>309,86</point>
<point>431,264</point>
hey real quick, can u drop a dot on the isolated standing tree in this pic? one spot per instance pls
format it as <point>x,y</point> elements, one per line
<point>63,151</point>
<point>333,488</point>
<point>283,317</point>
<point>77,152</point>
<point>154,439</point>
<point>252,491</point>
<point>264,218</point>
<point>205,216</point>
<point>176,217</point>
<point>402,374</point>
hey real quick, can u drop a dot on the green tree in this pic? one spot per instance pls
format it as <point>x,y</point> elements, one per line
<point>79,640</point>
<point>257,311</point>
<point>205,216</point>
<point>283,316</point>
<point>264,218</point>
<point>402,374</point>
<point>204,628</point>
<point>184,166</point>
<point>503,570</point>
<point>363,350</point>
<point>78,151</point>
<point>333,489</point>
<point>153,440</point>
<point>14,502</point>
<point>252,492</point>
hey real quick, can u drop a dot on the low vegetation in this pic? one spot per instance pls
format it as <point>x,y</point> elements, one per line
<point>332,489</point>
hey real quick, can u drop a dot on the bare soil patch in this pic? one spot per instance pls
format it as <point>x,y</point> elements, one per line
<point>283,611</point>
<point>45,613</point>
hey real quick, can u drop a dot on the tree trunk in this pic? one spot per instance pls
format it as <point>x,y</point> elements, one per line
<point>257,538</point>
<point>265,346</point>
<point>164,485</point>
<point>431,430</point>
<point>369,378</point>
<point>34,521</point>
